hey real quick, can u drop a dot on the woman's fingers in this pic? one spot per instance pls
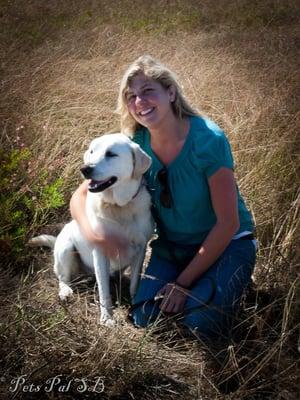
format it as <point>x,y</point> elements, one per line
<point>161,292</point>
<point>173,300</point>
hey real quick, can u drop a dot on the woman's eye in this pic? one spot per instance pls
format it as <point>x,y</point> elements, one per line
<point>110,154</point>
<point>147,90</point>
<point>130,97</point>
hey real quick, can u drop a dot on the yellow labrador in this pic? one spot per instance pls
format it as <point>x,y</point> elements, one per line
<point>117,200</point>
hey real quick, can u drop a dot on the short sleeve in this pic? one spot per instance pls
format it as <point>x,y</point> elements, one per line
<point>219,155</point>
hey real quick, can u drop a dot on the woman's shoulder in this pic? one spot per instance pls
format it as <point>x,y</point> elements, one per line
<point>204,127</point>
<point>209,144</point>
<point>207,135</point>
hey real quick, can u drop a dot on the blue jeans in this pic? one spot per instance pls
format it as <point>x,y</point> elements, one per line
<point>212,299</point>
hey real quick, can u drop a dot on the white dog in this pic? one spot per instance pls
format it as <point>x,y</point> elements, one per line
<point>117,200</point>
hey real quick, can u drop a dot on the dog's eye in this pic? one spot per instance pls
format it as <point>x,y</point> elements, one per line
<point>110,154</point>
<point>91,151</point>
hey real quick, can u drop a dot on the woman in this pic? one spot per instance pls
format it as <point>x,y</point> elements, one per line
<point>204,255</point>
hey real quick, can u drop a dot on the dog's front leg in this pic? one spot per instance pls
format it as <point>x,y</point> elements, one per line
<point>101,265</point>
<point>136,268</point>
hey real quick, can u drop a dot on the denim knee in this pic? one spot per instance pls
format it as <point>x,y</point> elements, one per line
<point>157,274</point>
<point>231,274</point>
<point>214,304</point>
<point>145,314</point>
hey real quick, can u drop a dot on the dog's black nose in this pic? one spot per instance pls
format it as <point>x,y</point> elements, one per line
<point>86,171</point>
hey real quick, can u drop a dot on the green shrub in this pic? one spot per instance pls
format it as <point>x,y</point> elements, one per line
<point>27,198</point>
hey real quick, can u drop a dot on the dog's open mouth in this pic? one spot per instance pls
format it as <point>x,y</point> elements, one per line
<point>99,186</point>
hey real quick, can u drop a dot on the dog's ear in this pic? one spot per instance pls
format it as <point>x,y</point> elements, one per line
<point>141,161</point>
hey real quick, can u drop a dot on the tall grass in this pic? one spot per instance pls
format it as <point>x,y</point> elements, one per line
<point>60,66</point>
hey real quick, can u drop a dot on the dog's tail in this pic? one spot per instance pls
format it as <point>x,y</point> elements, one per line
<point>43,240</point>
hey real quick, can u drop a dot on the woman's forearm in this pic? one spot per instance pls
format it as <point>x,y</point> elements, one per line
<point>78,212</point>
<point>114,244</point>
<point>211,249</point>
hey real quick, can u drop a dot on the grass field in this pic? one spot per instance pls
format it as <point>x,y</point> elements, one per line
<point>60,66</point>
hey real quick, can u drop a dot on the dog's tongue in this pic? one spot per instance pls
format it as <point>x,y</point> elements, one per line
<point>93,184</point>
<point>98,186</point>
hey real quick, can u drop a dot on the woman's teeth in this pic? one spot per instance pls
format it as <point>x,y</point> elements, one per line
<point>145,112</point>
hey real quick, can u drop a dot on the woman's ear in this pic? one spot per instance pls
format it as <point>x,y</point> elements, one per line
<point>172,93</point>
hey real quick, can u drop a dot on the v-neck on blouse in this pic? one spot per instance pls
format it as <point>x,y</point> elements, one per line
<point>178,157</point>
<point>191,216</point>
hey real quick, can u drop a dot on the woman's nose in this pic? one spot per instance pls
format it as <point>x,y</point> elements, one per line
<point>139,99</point>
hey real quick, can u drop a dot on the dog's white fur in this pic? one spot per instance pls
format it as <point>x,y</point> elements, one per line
<point>123,207</point>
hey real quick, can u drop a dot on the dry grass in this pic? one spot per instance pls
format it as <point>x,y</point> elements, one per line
<point>60,67</point>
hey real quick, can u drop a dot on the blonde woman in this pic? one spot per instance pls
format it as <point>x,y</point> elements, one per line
<point>204,255</point>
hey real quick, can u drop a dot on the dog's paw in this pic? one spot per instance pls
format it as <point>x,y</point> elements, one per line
<point>110,323</point>
<point>107,320</point>
<point>64,291</point>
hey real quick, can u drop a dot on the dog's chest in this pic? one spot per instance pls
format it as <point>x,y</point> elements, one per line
<point>123,215</point>
<point>129,219</point>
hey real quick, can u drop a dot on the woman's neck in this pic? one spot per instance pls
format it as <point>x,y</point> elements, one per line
<point>174,130</point>
<point>167,143</point>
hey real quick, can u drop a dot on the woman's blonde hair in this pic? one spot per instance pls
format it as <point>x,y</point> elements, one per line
<point>159,73</point>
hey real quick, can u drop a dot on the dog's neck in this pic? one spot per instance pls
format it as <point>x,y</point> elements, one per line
<point>123,193</point>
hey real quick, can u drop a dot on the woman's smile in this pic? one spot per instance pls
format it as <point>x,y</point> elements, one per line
<point>148,101</point>
<point>146,112</point>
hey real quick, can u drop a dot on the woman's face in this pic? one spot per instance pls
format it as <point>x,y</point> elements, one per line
<point>148,102</point>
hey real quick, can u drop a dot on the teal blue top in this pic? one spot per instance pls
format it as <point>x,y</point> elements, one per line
<point>191,215</point>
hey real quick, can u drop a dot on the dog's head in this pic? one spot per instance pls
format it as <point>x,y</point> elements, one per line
<point>111,159</point>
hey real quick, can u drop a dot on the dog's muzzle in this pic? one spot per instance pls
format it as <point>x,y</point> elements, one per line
<point>87,171</point>
<point>96,186</point>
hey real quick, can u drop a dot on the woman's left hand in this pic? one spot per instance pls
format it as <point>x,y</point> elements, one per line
<point>173,298</point>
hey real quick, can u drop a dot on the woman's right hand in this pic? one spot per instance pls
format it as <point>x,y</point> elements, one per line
<point>113,244</point>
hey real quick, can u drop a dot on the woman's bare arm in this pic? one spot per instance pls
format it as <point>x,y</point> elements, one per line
<point>224,200</point>
<point>112,244</point>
